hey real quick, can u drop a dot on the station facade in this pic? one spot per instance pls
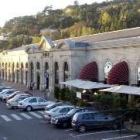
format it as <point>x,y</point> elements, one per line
<point>112,57</point>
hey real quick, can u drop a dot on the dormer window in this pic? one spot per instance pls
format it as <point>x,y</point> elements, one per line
<point>46,54</point>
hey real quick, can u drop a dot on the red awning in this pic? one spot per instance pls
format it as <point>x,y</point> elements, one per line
<point>89,72</point>
<point>119,74</point>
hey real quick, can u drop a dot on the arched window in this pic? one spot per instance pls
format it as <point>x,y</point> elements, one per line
<point>107,68</point>
<point>26,65</point>
<point>66,72</point>
<point>17,65</point>
<point>13,72</point>
<point>32,71</point>
<point>22,73</point>
<point>56,68</point>
<point>38,65</point>
<point>46,75</point>
<point>21,65</point>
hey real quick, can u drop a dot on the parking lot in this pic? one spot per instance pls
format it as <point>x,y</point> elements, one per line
<point>22,125</point>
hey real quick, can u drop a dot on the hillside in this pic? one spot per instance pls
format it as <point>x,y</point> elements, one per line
<point>75,20</point>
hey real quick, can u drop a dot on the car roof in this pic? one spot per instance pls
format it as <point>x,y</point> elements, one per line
<point>89,112</point>
<point>65,106</point>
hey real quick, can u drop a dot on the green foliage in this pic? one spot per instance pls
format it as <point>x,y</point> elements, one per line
<point>82,103</point>
<point>119,102</point>
<point>56,92</point>
<point>74,20</point>
<point>66,94</point>
<point>62,94</point>
<point>106,100</point>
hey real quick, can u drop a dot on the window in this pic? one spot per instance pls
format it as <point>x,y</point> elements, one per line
<point>41,100</point>
<point>86,116</point>
<point>63,110</point>
<point>33,100</point>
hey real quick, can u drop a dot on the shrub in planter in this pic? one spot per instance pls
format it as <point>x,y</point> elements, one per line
<point>119,102</point>
<point>67,94</point>
<point>56,92</point>
<point>72,97</point>
<point>62,94</point>
<point>106,100</point>
<point>82,103</point>
<point>95,97</point>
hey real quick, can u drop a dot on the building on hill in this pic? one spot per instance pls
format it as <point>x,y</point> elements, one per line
<point>4,37</point>
<point>112,58</point>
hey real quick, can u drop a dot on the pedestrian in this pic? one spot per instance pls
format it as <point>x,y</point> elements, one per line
<point>31,85</point>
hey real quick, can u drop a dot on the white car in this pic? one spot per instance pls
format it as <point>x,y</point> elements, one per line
<point>13,102</point>
<point>57,111</point>
<point>31,103</point>
<point>6,93</point>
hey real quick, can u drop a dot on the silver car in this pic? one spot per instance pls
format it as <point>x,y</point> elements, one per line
<point>5,93</point>
<point>31,103</point>
<point>13,102</point>
<point>57,111</point>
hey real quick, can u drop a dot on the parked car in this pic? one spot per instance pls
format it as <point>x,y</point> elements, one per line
<point>6,93</point>
<point>13,95</point>
<point>54,104</point>
<point>3,88</point>
<point>91,120</point>
<point>13,102</point>
<point>31,103</point>
<point>57,111</point>
<point>65,120</point>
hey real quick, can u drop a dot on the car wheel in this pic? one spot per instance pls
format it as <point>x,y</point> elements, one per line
<point>82,129</point>
<point>65,125</point>
<point>28,108</point>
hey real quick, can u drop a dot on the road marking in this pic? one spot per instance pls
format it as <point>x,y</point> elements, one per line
<point>94,133</point>
<point>116,138</point>
<point>4,138</point>
<point>35,115</point>
<point>69,130</point>
<point>25,115</point>
<point>16,117</point>
<point>5,118</point>
<point>41,112</point>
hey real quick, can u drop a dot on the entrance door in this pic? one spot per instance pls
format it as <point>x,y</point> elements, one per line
<point>26,77</point>
<point>38,81</point>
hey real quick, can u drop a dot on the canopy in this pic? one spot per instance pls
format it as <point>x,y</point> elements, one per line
<point>79,83</point>
<point>89,72</point>
<point>123,89</point>
<point>85,84</point>
<point>119,74</point>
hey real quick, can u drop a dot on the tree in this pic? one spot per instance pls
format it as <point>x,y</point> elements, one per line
<point>105,18</point>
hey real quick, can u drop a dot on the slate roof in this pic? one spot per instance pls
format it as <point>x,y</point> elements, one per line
<point>133,41</point>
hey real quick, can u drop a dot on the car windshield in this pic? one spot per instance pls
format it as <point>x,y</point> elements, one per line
<point>71,112</point>
<point>26,99</point>
<point>55,109</point>
<point>50,105</point>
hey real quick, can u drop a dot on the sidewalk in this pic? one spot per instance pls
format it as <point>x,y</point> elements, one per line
<point>24,88</point>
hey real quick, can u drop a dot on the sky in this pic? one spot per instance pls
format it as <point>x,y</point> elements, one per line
<point>14,8</point>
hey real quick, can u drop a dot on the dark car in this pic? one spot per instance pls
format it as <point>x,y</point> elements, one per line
<point>91,120</point>
<point>65,120</point>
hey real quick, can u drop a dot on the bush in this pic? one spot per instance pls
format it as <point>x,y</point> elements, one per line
<point>106,100</point>
<point>56,92</point>
<point>82,103</point>
<point>62,94</point>
<point>119,102</point>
